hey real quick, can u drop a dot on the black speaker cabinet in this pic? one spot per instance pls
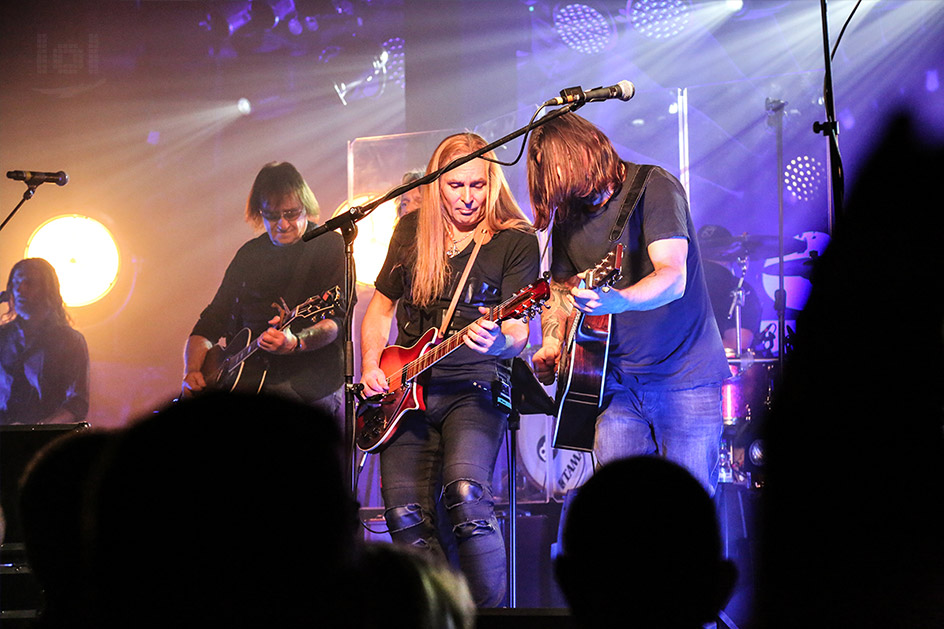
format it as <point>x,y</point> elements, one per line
<point>18,446</point>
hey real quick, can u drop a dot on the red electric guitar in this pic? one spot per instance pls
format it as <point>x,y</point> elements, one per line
<point>376,423</point>
<point>582,366</point>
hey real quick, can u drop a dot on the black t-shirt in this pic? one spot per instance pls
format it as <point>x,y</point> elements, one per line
<point>507,263</point>
<point>676,345</point>
<point>261,274</point>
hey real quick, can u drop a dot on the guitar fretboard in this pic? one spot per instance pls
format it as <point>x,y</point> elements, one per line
<point>506,310</point>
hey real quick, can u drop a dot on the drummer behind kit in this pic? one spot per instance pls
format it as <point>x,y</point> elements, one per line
<point>746,393</point>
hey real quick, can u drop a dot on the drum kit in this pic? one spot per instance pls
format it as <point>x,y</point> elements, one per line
<point>747,392</point>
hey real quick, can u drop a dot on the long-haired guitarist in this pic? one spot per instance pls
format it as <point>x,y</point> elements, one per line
<point>450,447</point>
<point>303,361</point>
<point>665,361</point>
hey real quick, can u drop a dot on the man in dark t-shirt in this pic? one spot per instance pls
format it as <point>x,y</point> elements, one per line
<point>665,362</point>
<point>304,360</point>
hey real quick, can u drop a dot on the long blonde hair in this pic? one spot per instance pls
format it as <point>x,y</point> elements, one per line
<point>431,274</point>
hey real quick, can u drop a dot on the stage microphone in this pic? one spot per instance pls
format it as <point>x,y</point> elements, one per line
<point>624,90</point>
<point>60,178</point>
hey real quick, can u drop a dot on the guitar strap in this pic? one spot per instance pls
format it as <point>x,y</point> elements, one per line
<point>482,236</point>
<point>631,200</point>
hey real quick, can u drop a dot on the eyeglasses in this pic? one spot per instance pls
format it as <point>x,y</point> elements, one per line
<point>290,215</point>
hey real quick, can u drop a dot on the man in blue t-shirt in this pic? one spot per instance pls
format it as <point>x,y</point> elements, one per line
<point>665,362</point>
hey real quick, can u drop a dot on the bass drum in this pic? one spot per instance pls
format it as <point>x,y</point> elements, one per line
<point>552,470</point>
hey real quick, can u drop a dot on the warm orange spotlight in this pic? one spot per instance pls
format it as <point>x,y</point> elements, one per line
<point>84,254</point>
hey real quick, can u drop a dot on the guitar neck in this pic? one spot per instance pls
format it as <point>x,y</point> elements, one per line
<point>446,347</point>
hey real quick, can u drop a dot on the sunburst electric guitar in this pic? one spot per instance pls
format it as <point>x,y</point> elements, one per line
<point>582,367</point>
<point>230,368</point>
<point>376,421</point>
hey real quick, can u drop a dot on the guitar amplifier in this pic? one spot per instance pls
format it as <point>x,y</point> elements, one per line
<point>22,596</point>
<point>18,445</point>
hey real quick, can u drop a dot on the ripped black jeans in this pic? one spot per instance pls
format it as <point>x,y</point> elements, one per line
<point>449,451</point>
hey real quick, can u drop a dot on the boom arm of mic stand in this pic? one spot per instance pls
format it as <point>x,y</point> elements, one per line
<point>30,190</point>
<point>357,213</point>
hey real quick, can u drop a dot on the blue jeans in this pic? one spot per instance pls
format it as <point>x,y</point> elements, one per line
<point>682,425</point>
<point>449,450</point>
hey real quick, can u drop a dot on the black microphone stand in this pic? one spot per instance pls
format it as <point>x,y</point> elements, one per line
<point>30,190</point>
<point>346,222</point>
<point>529,398</point>
<point>830,129</point>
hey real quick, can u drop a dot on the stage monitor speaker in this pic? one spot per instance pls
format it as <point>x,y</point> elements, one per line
<point>525,618</point>
<point>18,445</point>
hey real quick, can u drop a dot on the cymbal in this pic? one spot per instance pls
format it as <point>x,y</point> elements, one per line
<point>729,249</point>
<point>792,268</point>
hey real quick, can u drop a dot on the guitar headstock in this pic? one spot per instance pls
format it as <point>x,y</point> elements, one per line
<point>319,305</point>
<point>527,301</point>
<point>608,271</point>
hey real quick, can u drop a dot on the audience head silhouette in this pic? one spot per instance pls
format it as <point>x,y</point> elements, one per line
<point>641,547</point>
<point>410,588</point>
<point>53,490</point>
<point>223,510</point>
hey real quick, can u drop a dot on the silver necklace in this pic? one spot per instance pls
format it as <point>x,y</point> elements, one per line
<point>454,249</point>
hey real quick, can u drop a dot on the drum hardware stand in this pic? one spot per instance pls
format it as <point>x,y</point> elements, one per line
<point>775,119</point>
<point>530,398</point>
<point>726,469</point>
<point>737,303</point>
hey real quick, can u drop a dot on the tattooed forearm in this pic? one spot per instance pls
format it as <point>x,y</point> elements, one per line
<point>558,309</point>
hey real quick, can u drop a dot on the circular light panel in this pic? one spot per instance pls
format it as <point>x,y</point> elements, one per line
<point>803,177</point>
<point>84,254</point>
<point>584,29</point>
<point>659,19</point>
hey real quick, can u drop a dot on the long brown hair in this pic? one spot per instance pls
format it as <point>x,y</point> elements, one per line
<point>583,155</point>
<point>431,275</point>
<point>49,287</point>
<point>275,181</point>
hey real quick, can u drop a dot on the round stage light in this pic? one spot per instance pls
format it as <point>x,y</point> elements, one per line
<point>84,254</point>
<point>396,68</point>
<point>373,237</point>
<point>659,19</point>
<point>804,176</point>
<point>584,29</point>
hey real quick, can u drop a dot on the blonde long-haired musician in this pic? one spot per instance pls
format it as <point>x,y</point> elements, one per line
<point>449,449</point>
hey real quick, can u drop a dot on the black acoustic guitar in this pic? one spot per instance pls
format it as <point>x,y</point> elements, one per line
<point>229,368</point>
<point>582,367</point>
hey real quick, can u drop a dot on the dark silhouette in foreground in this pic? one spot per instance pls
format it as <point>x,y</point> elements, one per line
<point>642,549</point>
